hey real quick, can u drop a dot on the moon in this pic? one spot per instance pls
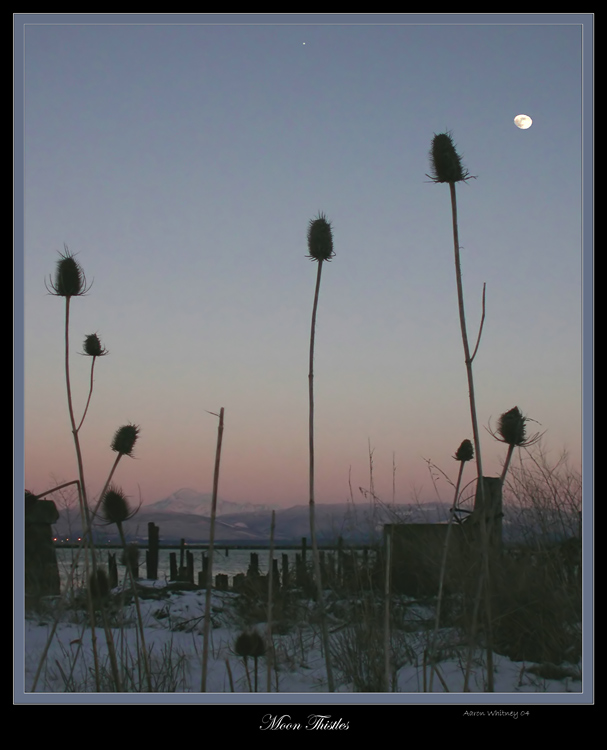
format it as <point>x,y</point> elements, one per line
<point>523,122</point>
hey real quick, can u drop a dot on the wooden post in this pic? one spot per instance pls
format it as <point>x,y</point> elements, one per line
<point>207,603</point>
<point>152,552</point>
<point>492,495</point>
<point>189,566</point>
<point>173,566</point>
<point>285,570</point>
<point>205,569</point>
<point>253,570</point>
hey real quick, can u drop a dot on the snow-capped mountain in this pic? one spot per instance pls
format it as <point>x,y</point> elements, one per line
<point>187,500</point>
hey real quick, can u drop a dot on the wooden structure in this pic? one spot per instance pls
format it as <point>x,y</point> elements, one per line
<point>418,548</point>
<point>41,570</point>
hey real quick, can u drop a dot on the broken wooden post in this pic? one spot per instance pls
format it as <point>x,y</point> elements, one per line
<point>151,556</point>
<point>173,566</point>
<point>285,570</point>
<point>492,515</point>
<point>189,568</point>
<point>253,571</point>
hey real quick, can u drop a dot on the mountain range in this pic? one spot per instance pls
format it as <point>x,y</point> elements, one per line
<point>185,514</point>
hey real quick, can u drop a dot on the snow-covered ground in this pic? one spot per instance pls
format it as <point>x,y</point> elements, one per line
<point>174,637</point>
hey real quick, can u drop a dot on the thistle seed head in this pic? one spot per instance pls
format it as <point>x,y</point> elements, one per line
<point>465,452</point>
<point>250,644</point>
<point>511,427</point>
<point>114,506</point>
<point>320,239</point>
<point>125,439</point>
<point>243,644</point>
<point>92,346</point>
<point>445,162</point>
<point>70,280</point>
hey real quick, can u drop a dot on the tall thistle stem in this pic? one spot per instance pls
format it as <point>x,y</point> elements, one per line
<point>462,320</point>
<point>69,282</point>
<point>447,167</point>
<point>269,644</point>
<point>475,431</point>
<point>315,555</point>
<point>144,649</point>
<point>209,581</point>
<point>463,454</point>
<point>320,245</point>
<point>84,509</point>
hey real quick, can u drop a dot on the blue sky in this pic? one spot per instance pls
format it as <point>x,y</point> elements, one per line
<point>182,163</point>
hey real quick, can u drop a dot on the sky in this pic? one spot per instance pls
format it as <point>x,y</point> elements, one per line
<point>182,163</point>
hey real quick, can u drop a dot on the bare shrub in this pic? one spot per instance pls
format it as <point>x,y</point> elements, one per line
<point>537,592</point>
<point>544,500</point>
<point>358,652</point>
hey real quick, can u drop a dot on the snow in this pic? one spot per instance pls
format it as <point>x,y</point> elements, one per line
<point>173,634</point>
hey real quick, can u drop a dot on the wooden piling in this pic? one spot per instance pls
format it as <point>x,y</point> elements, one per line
<point>189,566</point>
<point>285,571</point>
<point>151,556</point>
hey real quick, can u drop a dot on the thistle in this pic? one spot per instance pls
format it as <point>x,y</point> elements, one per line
<point>446,167</point>
<point>511,430</point>
<point>93,347</point>
<point>115,507</point>
<point>70,280</point>
<point>320,239</point>
<point>250,644</point>
<point>465,452</point>
<point>125,439</point>
<point>445,162</point>
<point>320,246</point>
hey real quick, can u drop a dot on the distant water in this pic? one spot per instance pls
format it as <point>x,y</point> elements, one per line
<point>237,561</point>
